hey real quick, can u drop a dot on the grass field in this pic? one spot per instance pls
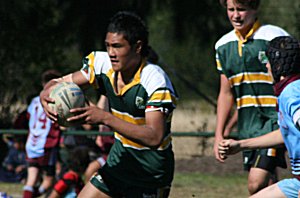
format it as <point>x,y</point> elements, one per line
<point>185,185</point>
<point>197,174</point>
<point>189,185</point>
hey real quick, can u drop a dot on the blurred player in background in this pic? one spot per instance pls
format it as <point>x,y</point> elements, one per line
<point>104,143</point>
<point>284,66</point>
<point>241,61</point>
<point>141,99</point>
<point>41,146</point>
<point>71,182</point>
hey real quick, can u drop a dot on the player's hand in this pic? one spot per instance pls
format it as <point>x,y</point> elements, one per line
<point>90,114</point>
<point>228,147</point>
<point>45,99</point>
<point>20,168</point>
<point>216,150</point>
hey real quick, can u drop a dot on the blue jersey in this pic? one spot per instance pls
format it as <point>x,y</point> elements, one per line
<point>289,113</point>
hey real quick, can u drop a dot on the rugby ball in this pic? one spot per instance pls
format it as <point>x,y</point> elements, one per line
<point>67,95</point>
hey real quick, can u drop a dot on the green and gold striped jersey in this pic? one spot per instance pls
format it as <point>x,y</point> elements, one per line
<point>244,64</point>
<point>149,90</point>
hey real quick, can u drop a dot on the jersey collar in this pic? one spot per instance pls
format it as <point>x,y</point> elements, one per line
<point>135,80</point>
<point>255,26</point>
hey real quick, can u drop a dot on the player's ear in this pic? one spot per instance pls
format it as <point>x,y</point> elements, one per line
<point>138,46</point>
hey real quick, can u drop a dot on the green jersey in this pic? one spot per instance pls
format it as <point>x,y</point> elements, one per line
<point>149,90</point>
<point>244,64</point>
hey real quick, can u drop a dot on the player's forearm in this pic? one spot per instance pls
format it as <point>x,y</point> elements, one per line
<point>265,141</point>
<point>233,120</point>
<point>225,103</point>
<point>141,134</point>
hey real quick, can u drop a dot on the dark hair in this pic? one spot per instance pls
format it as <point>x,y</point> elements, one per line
<point>284,56</point>
<point>132,27</point>
<point>20,138</point>
<point>152,56</point>
<point>49,75</point>
<point>79,159</point>
<point>253,4</point>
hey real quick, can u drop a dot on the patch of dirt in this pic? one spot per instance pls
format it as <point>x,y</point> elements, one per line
<point>208,164</point>
<point>195,154</point>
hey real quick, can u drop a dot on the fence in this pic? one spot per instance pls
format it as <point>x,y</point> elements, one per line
<point>83,132</point>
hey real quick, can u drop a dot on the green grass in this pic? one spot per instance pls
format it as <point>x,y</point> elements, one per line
<point>212,186</point>
<point>185,185</point>
<point>12,189</point>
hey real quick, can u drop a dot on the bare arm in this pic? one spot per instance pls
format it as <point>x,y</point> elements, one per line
<point>150,134</point>
<point>54,194</point>
<point>225,103</point>
<point>230,146</point>
<point>232,121</point>
<point>103,103</point>
<point>265,141</point>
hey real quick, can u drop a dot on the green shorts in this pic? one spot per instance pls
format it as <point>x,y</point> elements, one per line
<point>267,159</point>
<point>117,189</point>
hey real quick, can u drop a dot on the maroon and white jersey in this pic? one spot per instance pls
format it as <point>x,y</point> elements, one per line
<point>43,134</point>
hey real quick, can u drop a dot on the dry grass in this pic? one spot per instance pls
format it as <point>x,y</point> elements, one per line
<point>197,172</point>
<point>193,116</point>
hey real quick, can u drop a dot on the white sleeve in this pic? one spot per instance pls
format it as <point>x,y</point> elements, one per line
<point>296,118</point>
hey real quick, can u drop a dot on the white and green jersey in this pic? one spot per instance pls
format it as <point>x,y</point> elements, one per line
<point>244,64</point>
<point>149,90</point>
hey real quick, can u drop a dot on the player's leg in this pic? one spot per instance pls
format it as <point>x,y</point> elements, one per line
<point>90,191</point>
<point>32,177</point>
<point>93,168</point>
<point>258,179</point>
<point>47,183</point>
<point>284,188</point>
<point>272,191</point>
<point>263,165</point>
<point>48,166</point>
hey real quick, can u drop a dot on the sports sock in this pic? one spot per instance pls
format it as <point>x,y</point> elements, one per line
<point>27,192</point>
<point>42,190</point>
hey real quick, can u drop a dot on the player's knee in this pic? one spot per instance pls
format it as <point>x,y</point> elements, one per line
<point>252,188</point>
<point>255,186</point>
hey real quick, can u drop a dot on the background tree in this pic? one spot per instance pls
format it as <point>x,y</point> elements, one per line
<point>38,35</point>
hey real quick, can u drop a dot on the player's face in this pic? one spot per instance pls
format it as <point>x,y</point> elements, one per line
<point>241,17</point>
<point>122,55</point>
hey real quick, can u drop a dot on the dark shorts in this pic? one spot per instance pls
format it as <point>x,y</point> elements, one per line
<point>267,159</point>
<point>118,189</point>
<point>46,162</point>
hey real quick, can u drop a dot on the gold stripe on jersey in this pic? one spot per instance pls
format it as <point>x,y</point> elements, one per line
<point>91,63</point>
<point>110,75</point>
<point>129,118</point>
<point>219,66</point>
<point>128,143</point>
<point>250,77</point>
<point>247,101</point>
<point>163,96</point>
